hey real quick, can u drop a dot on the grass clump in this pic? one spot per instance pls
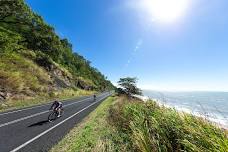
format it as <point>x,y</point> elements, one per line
<point>148,127</point>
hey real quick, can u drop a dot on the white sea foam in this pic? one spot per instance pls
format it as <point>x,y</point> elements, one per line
<point>214,117</point>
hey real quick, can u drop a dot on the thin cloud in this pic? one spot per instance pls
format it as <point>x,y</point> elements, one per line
<point>137,47</point>
<point>139,43</point>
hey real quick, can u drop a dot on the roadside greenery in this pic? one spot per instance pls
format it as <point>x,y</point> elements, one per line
<point>148,127</point>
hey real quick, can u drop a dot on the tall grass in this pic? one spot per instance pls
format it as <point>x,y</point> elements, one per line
<point>20,75</point>
<point>148,127</point>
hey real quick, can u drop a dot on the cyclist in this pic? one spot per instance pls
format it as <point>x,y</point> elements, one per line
<point>94,97</point>
<point>57,106</point>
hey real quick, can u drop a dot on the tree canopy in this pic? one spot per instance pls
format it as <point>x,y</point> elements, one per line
<point>129,86</point>
<point>22,29</point>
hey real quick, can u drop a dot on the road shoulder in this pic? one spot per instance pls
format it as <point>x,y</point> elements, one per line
<point>86,135</point>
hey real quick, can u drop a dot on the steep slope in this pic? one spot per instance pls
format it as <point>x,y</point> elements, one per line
<point>34,60</point>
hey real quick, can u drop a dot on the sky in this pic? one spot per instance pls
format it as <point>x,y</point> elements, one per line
<point>172,45</point>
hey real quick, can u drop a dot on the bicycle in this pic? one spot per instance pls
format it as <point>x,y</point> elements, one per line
<point>54,114</point>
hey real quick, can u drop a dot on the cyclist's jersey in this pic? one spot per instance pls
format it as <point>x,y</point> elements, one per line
<point>56,105</point>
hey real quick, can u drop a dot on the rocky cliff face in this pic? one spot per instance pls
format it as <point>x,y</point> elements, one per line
<point>34,79</point>
<point>34,60</point>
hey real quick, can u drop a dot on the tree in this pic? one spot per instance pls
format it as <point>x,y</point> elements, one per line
<point>128,86</point>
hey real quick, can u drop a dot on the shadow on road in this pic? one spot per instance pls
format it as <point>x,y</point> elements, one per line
<point>40,123</point>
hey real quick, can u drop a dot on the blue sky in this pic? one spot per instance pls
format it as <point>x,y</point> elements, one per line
<point>123,38</point>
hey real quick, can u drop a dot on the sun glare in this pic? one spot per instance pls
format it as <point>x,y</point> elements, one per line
<point>166,10</point>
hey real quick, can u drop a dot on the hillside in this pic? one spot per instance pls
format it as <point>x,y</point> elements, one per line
<point>35,61</point>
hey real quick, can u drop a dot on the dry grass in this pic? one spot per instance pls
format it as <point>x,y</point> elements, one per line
<point>20,75</point>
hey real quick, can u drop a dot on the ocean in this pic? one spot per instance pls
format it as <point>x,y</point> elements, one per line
<point>211,105</point>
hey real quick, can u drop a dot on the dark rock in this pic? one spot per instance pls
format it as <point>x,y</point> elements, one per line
<point>82,85</point>
<point>60,83</point>
<point>2,96</point>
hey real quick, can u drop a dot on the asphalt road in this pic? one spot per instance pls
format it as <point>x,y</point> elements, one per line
<point>28,130</point>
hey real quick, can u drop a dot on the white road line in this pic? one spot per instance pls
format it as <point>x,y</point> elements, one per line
<point>22,110</point>
<point>43,133</point>
<point>5,113</point>
<point>76,102</point>
<point>14,121</point>
<point>37,114</point>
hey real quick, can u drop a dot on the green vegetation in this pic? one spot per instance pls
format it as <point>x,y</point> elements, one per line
<point>89,134</point>
<point>128,86</point>
<point>21,29</point>
<point>29,84</point>
<point>148,127</point>
<point>35,62</point>
<point>20,75</point>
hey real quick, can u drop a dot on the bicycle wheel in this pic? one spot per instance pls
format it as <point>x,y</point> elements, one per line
<point>52,116</point>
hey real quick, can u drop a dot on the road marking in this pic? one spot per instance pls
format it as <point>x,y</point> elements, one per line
<point>22,110</point>
<point>14,121</point>
<point>37,114</point>
<point>5,113</point>
<point>43,133</point>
